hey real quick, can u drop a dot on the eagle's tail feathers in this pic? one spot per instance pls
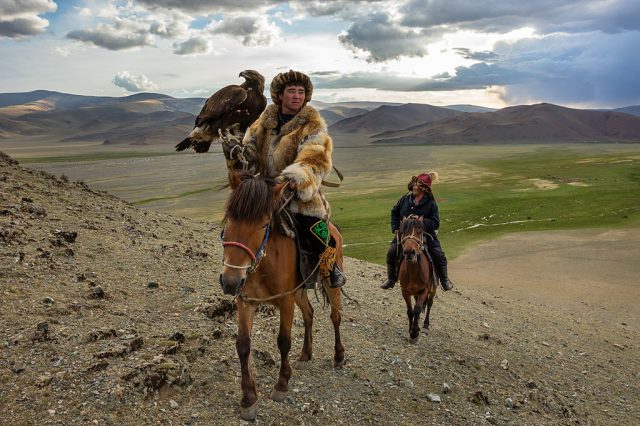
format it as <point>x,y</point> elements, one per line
<point>186,143</point>
<point>202,146</point>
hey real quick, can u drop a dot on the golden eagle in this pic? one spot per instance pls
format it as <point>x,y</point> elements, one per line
<point>230,110</point>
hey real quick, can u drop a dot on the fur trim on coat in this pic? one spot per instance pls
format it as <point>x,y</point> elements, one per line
<point>301,152</point>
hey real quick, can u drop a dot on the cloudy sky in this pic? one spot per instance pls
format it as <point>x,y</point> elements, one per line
<point>581,53</point>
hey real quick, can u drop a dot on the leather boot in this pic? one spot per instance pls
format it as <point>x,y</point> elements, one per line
<point>309,268</point>
<point>392,277</point>
<point>440,263</point>
<point>336,277</point>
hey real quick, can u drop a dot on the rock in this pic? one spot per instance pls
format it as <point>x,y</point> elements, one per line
<point>152,284</point>
<point>264,357</point>
<point>479,398</point>
<point>96,293</point>
<point>504,364</point>
<point>33,209</point>
<point>508,403</point>
<point>177,337</point>
<point>173,404</point>
<point>446,388</point>
<point>433,397</point>
<point>42,332</point>
<point>407,383</point>
<point>48,301</point>
<point>68,236</point>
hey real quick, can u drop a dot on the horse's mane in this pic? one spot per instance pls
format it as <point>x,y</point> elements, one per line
<point>407,225</point>
<point>252,199</point>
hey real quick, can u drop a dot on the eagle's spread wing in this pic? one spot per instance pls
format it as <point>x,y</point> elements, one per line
<point>228,112</point>
<point>222,102</point>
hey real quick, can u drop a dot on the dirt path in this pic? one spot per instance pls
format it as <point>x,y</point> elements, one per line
<point>594,273</point>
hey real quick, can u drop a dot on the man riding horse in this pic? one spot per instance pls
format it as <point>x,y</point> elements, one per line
<point>290,140</point>
<point>419,201</point>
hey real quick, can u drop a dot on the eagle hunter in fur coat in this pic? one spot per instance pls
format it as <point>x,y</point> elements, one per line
<point>301,152</point>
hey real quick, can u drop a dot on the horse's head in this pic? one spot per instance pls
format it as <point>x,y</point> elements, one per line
<point>411,237</point>
<point>248,216</point>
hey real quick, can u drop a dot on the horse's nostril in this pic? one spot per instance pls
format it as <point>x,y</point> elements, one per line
<point>242,282</point>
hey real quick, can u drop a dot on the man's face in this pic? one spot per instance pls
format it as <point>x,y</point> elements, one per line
<point>292,99</point>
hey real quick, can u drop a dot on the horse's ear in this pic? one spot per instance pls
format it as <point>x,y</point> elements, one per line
<point>421,218</point>
<point>234,179</point>
<point>404,218</point>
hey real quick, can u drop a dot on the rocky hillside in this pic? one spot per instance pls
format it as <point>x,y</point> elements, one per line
<point>113,315</point>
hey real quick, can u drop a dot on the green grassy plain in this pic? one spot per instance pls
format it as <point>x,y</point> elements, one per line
<point>484,191</point>
<point>543,189</point>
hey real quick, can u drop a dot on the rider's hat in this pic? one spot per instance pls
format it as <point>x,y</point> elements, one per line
<point>423,179</point>
<point>281,80</point>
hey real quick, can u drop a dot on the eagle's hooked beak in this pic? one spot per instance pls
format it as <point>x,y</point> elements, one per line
<point>241,74</point>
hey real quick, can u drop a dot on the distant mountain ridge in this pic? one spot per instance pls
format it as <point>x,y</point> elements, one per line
<point>389,118</point>
<point>539,123</point>
<point>153,118</point>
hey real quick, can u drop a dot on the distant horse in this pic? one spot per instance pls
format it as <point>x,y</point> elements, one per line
<point>259,266</point>
<point>416,273</point>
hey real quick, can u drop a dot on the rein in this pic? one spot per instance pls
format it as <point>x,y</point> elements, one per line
<point>255,257</point>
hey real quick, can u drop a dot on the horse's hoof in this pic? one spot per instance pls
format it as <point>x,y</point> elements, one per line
<point>301,365</point>
<point>339,364</point>
<point>277,395</point>
<point>414,340</point>
<point>249,413</point>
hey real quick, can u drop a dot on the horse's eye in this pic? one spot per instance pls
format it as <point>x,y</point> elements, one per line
<point>265,225</point>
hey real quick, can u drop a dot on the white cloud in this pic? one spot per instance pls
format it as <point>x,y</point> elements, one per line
<point>133,82</point>
<point>193,46</point>
<point>19,18</point>
<point>254,31</point>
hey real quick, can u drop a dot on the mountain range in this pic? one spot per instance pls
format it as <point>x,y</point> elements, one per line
<point>152,119</point>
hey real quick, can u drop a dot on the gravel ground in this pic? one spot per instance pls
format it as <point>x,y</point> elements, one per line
<point>110,314</point>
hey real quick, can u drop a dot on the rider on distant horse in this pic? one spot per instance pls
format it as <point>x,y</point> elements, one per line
<point>420,201</point>
<point>290,139</point>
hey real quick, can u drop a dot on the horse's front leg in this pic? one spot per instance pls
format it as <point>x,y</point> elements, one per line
<point>249,400</point>
<point>414,332</point>
<point>284,344</point>
<point>407,300</point>
<point>302,300</point>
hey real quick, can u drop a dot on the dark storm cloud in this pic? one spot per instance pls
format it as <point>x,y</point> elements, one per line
<point>19,18</point>
<point>478,76</point>
<point>477,56</point>
<point>343,8</point>
<point>546,16</point>
<point>209,6</point>
<point>591,68</point>
<point>383,39</point>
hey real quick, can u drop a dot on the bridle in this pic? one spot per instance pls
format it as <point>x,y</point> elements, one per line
<point>414,238</point>
<point>255,257</point>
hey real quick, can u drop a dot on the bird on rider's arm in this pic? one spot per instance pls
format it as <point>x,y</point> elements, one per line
<point>227,114</point>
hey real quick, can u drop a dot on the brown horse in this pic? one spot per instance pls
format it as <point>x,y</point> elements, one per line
<point>259,266</point>
<point>416,274</point>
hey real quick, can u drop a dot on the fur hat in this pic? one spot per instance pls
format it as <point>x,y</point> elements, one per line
<point>281,80</point>
<point>425,179</point>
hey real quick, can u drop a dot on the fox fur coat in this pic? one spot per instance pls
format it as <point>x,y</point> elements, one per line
<point>301,152</point>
